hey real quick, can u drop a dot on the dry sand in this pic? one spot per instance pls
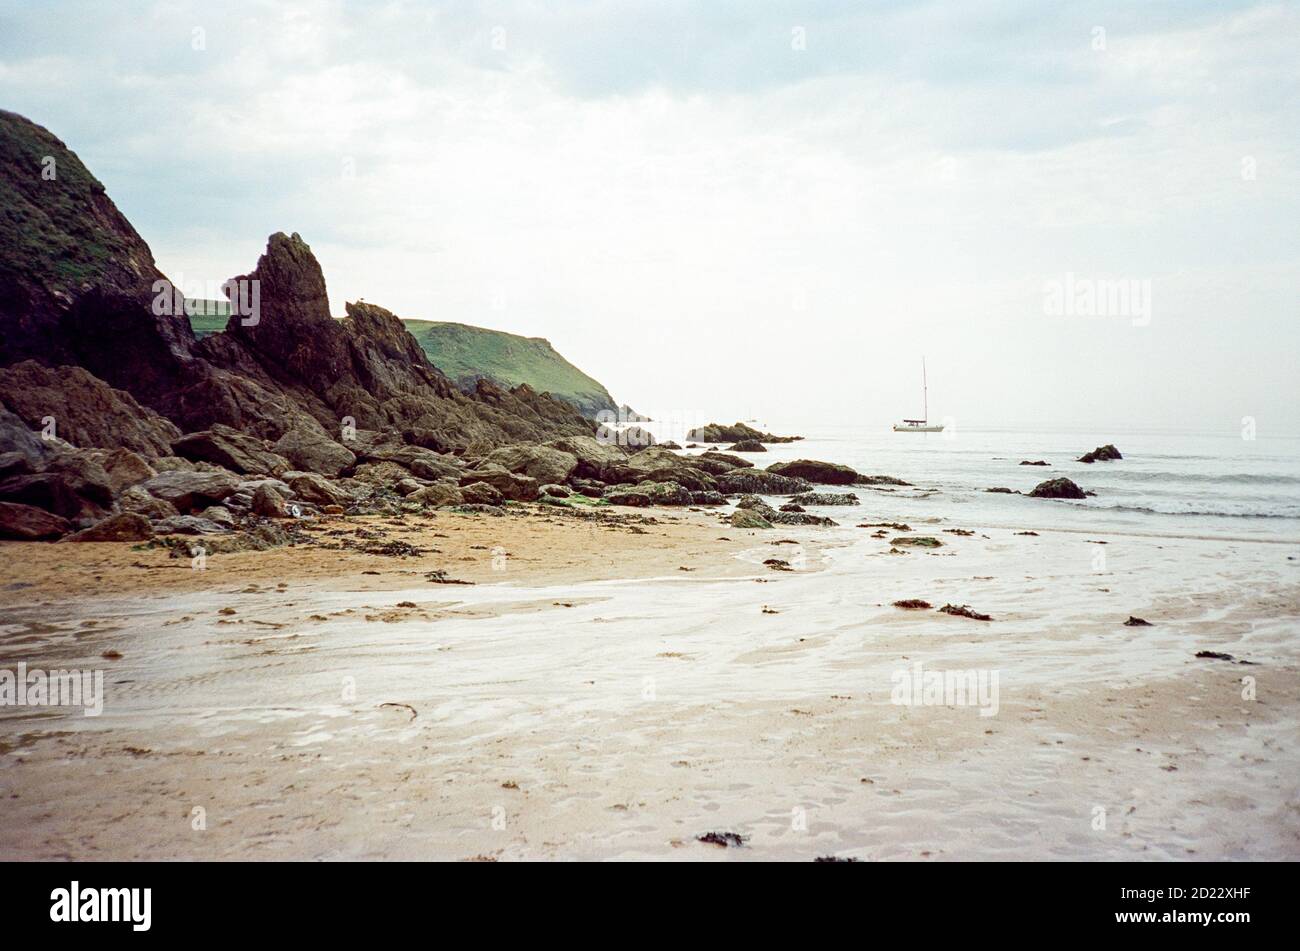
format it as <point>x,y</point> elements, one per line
<point>588,698</point>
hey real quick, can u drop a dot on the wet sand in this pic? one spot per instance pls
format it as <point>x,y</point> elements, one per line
<point>587,698</point>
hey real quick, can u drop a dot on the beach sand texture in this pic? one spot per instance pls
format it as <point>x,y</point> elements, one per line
<point>587,698</point>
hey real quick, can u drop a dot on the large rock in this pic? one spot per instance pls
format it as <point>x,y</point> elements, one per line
<point>511,485</point>
<point>826,498</point>
<point>714,432</point>
<point>28,523</point>
<point>313,451</point>
<point>191,490</point>
<point>136,499</point>
<point>122,527</point>
<point>17,439</point>
<point>748,518</point>
<point>657,464</point>
<point>594,457</point>
<point>268,503</point>
<point>231,449</point>
<point>1106,453</point>
<point>72,485</point>
<point>546,464</point>
<point>84,410</point>
<point>747,445</point>
<point>315,488</point>
<point>760,481</point>
<point>628,495</point>
<point>666,493</point>
<point>124,468</point>
<point>1057,489</point>
<point>480,493</point>
<point>821,473</point>
<point>440,493</point>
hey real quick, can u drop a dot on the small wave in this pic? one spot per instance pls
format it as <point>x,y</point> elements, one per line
<point>1147,510</point>
<point>1233,478</point>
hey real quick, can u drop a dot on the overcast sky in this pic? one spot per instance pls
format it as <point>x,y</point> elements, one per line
<point>737,209</point>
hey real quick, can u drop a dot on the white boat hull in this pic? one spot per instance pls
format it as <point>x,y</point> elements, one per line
<point>905,428</point>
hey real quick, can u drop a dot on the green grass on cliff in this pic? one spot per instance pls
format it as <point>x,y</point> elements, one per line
<point>467,354</point>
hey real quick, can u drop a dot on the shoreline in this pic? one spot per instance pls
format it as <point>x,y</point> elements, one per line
<point>598,702</point>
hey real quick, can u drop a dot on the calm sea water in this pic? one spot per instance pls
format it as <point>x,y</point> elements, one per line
<point>1185,484</point>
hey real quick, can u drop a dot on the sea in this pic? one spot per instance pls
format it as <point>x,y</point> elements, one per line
<point>1187,484</point>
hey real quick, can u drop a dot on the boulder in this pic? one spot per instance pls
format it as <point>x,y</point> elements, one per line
<point>657,464</point>
<point>440,493</point>
<point>732,462</point>
<point>313,451</point>
<point>511,485</point>
<point>136,499</point>
<point>1106,453</point>
<point>17,438</point>
<point>72,485</point>
<point>380,473</point>
<point>230,449</point>
<point>761,481</point>
<point>748,518</point>
<point>555,491</point>
<point>747,445</point>
<point>800,518</point>
<point>624,495</point>
<point>1057,489</point>
<point>190,490</point>
<point>708,498</point>
<point>1036,462</point>
<point>543,463</point>
<point>86,411</point>
<point>28,523</point>
<point>14,463</point>
<point>219,515</point>
<point>594,457</point>
<point>665,493</point>
<point>188,525</point>
<point>714,432</point>
<point>821,473</point>
<point>268,503</point>
<point>827,498</point>
<point>315,488</point>
<point>124,469</point>
<point>480,493</point>
<point>122,527</point>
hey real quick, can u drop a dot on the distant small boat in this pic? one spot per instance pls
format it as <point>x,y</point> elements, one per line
<point>920,425</point>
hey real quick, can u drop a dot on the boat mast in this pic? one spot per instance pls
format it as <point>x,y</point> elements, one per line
<point>925,394</point>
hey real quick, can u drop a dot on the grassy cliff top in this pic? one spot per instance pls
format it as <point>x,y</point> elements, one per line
<point>467,354</point>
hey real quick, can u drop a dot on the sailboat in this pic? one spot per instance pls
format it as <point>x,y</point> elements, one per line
<point>920,425</point>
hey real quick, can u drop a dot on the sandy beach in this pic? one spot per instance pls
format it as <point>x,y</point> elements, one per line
<point>616,688</point>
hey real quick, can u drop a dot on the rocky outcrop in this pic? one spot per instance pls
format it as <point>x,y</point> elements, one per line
<point>747,445</point>
<point>826,498</point>
<point>123,527</point>
<point>83,410</point>
<point>510,485</point>
<point>715,432</point>
<point>191,490</point>
<point>748,518</point>
<point>596,459</point>
<point>821,473</point>
<point>231,449</point>
<point>546,464</point>
<point>1106,453</point>
<point>1057,489</point>
<point>29,523</point>
<point>311,450</point>
<point>761,481</point>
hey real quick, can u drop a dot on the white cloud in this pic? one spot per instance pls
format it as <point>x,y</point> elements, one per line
<point>768,234</point>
